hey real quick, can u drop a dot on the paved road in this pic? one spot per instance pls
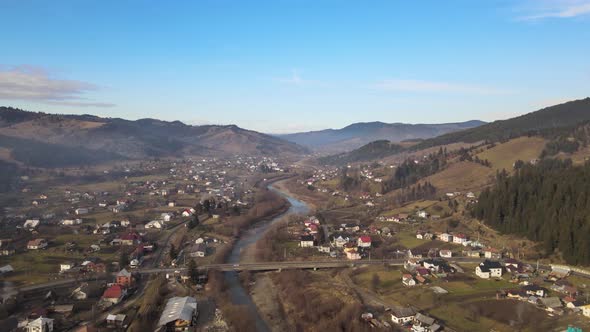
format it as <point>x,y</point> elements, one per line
<point>270,266</point>
<point>275,266</point>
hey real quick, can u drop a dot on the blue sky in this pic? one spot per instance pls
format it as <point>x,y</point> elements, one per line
<point>285,66</point>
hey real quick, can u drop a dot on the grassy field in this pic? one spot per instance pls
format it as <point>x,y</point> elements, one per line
<point>470,305</point>
<point>461,176</point>
<point>503,156</point>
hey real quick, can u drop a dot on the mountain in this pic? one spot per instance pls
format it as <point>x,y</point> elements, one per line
<point>546,121</point>
<point>359,134</point>
<point>374,150</point>
<point>53,140</point>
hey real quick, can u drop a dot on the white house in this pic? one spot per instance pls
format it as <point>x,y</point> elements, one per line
<point>71,222</point>
<point>446,237</point>
<point>445,253</point>
<point>586,310</point>
<point>402,315</point>
<point>422,214</point>
<point>166,216</point>
<point>66,266</point>
<point>41,324</point>
<point>307,241</point>
<point>80,211</point>
<point>408,280</point>
<point>31,223</point>
<point>489,269</point>
<point>353,255</point>
<point>459,238</point>
<point>156,224</point>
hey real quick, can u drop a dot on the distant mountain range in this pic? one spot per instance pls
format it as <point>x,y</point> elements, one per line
<point>542,122</point>
<point>50,140</point>
<point>553,123</point>
<point>359,134</point>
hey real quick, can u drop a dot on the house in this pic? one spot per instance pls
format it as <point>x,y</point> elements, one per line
<point>586,310</point>
<point>492,253</point>
<point>446,237</point>
<point>423,323</point>
<point>401,217</point>
<point>37,244</point>
<point>80,211</point>
<point>155,224</point>
<point>66,266</point>
<point>420,279</point>
<point>130,239</point>
<point>364,241</point>
<point>80,293</point>
<point>41,324</point>
<point>445,253</point>
<point>420,236</point>
<point>124,278</point>
<point>71,222</point>
<point>166,217</point>
<point>180,314</point>
<point>6,249</point>
<point>422,214</point>
<point>353,255</point>
<point>489,269</point>
<point>312,229</point>
<point>552,304</point>
<point>6,269</point>
<point>408,280</point>
<point>306,241</point>
<point>339,242</point>
<point>472,253</point>
<point>459,238</point>
<point>535,290</point>
<point>31,223</point>
<point>188,212</point>
<point>114,321</point>
<point>198,250</point>
<point>402,316</point>
<point>171,204</point>
<point>114,294</point>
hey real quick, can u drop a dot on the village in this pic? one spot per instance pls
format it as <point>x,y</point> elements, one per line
<point>86,245</point>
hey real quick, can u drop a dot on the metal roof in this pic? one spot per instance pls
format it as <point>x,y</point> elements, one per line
<point>178,308</point>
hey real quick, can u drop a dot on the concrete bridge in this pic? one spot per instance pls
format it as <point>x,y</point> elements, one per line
<point>314,265</point>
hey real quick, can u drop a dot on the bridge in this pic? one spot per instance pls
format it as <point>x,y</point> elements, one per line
<point>310,265</point>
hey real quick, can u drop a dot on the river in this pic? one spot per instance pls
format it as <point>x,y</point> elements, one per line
<point>238,294</point>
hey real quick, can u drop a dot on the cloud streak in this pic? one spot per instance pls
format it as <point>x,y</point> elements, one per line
<point>404,85</point>
<point>32,83</point>
<point>557,9</point>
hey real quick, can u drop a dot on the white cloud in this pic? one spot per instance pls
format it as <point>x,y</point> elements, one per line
<point>542,9</point>
<point>403,85</point>
<point>32,83</point>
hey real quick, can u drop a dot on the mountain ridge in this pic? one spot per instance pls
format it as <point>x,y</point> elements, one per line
<point>358,134</point>
<point>116,138</point>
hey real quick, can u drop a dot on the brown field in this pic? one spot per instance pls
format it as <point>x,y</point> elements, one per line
<point>462,176</point>
<point>503,156</point>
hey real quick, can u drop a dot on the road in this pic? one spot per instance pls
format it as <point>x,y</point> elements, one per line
<point>272,266</point>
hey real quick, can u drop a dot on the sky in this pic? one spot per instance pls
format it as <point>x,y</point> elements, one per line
<point>288,66</point>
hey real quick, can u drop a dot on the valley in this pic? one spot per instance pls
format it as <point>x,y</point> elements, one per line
<point>388,236</point>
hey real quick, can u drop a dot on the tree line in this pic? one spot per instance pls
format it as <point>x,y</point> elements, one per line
<point>548,202</point>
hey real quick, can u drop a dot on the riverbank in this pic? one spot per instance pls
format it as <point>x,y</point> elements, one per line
<point>235,298</point>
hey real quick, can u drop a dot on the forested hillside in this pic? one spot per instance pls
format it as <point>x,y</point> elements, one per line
<point>547,122</point>
<point>549,202</point>
<point>371,151</point>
